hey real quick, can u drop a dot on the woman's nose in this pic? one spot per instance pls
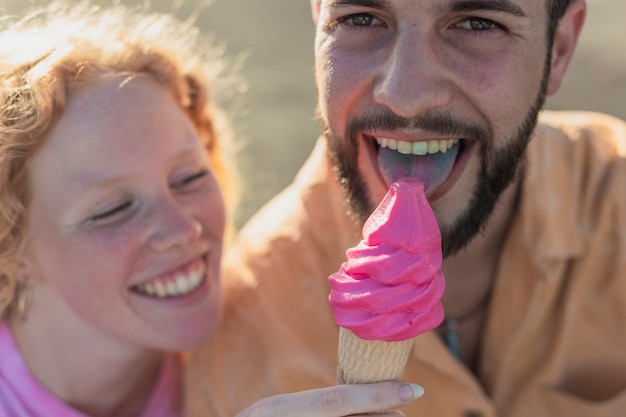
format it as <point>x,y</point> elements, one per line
<point>173,227</point>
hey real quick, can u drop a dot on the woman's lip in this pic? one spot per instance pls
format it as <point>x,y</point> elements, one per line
<point>198,294</point>
<point>202,286</point>
<point>168,272</point>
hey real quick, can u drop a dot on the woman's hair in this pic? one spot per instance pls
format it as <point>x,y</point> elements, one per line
<point>63,48</point>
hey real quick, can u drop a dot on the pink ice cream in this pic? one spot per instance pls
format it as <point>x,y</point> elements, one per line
<point>391,285</point>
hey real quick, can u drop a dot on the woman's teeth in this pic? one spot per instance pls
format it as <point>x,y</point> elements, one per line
<point>417,148</point>
<point>181,284</point>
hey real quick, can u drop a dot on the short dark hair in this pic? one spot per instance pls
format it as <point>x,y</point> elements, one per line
<point>556,10</point>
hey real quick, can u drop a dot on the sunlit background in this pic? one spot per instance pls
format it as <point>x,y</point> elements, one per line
<point>276,124</point>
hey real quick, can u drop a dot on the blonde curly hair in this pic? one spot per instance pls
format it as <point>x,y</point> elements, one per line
<point>64,47</point>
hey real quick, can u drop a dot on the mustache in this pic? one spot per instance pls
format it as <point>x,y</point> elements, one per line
<point>437,123</point>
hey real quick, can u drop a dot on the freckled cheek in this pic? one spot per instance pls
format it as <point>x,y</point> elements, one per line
<point>93,270</point>
<point>124,238</point>
<point>118,251</point>
<point>213,220</point>
<point>209,209</point>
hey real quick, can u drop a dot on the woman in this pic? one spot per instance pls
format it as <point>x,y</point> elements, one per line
<point>113,163</point>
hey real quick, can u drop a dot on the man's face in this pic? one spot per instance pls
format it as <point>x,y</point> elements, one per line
<point>447,91</point>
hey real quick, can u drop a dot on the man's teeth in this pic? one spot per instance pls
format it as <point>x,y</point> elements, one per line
<point>181,285</point>
<point>417,148</point>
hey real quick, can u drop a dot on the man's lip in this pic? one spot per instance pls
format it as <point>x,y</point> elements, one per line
<point>407,137</point>
<point>369,139</point>
<point>459,166</point>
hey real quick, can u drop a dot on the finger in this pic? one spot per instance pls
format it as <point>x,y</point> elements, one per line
<point>353,399</point>
<point>337,401</point>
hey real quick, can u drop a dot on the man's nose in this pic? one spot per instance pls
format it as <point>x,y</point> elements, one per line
<point>173,226</point>
<point>413,79</point>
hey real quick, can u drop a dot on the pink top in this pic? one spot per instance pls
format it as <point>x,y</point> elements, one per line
<point>391,285</point>
<point>22,395</point>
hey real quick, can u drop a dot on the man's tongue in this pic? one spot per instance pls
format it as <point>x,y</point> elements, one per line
<point>431,169</point>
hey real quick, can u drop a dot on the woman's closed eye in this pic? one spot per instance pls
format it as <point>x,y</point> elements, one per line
<point>191,181</point>
<point>112,214</point>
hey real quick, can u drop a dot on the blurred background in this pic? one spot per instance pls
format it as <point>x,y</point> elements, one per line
<point>275,122</point>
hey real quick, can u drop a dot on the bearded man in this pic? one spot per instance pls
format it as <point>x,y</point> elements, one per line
<point>530,204</point>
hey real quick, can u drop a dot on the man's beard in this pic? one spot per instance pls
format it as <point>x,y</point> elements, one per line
<point>498,167</point>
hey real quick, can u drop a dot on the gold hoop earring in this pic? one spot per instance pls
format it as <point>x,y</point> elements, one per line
<point>24,295</point>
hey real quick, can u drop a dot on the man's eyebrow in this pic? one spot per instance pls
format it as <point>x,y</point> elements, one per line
<point>505,6</point>
<point>374,4</point>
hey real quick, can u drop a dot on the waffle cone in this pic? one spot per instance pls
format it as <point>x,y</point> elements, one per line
<point>364,361</point>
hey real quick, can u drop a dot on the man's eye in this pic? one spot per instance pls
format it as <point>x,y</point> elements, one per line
<point>111,213</point>
<point>360,20</point>
<point>478,24</point>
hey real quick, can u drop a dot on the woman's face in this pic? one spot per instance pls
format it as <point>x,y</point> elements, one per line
<point>126,219</point>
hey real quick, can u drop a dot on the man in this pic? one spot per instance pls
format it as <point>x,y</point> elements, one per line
<point>532,215</point>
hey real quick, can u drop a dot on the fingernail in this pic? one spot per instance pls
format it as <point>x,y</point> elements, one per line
<point>410,392</point>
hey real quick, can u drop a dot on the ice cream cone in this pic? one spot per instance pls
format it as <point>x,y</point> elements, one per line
<point>389,289</point>
<point>364,361</point>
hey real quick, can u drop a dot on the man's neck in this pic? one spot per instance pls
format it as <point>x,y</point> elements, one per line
<point>470,275</point>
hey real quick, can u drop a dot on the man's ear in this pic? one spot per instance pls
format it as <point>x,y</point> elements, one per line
<point>315,10</point>
<point>565,40</point>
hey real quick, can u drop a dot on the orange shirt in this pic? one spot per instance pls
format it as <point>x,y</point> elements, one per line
<point>555,334</point>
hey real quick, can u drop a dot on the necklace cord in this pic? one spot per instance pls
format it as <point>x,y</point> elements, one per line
<point>451,325</point>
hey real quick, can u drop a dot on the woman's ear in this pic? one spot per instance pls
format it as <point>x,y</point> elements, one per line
<point>27,271</point>
<point>565,40</point>
<point>315,10</point>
